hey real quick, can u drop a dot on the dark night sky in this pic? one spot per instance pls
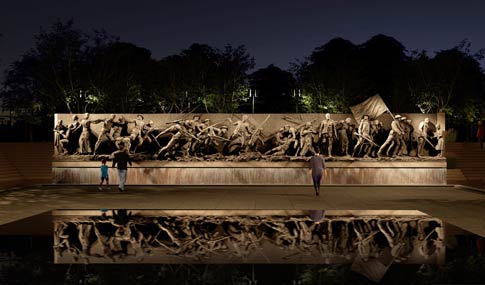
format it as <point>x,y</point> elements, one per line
<point>275,32</point>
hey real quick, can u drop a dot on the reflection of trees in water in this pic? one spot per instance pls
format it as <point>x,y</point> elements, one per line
<point>237,238</point>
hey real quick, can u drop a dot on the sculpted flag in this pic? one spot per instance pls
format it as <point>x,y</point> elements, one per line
<point>373,107</point>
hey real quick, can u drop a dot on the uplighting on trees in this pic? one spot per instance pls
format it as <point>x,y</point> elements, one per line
<point>252,95</point>
<point>296,95</point>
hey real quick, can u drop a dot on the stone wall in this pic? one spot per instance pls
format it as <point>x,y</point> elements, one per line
<point>257,173</point>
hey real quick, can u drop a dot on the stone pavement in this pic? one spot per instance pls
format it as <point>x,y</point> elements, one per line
<point>456,205</point>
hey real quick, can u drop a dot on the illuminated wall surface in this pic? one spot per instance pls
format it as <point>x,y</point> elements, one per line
<point>164,154</point>
<point>362,238</point>
<point>268,124</point>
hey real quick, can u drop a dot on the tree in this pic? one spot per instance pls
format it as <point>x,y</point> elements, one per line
<point>121,78</point>
<point>57,67</point>
<point>47,79</point>
<point>71,71</point>
<point>203,78</point>
<point>383,61</point>
<point>233,65</point>
<point>330,77</point>
<point>1,36</point>
<point>172,95</point>
<point>274,89</point>
<point>187,78</point>
<point>451,82</point>
<point>200,64</point>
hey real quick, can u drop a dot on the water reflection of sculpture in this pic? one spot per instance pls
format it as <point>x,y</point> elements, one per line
<point>106,238</point>
<point>61,240</point>
<point>236,238</point>
<point>183,139</point>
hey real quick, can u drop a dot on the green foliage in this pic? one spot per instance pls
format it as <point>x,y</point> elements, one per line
<point>324,274</point>
<point>228,103</point>
<point>1,36</point>
<point>308,104</point>
<point>205,79</point>
<point>50,77</point>
<point>451,82</point>
<point>450,136</point>
<point>471,112</point>
<point>274,88</point>
<point>71,71</point>
<point>340,74</point>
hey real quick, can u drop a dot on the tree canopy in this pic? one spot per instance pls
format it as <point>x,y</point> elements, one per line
<point>69,70</point>
<point>340,74</point>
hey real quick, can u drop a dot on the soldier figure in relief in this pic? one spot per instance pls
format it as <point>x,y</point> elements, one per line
<point>241,136</point>
<point>136,133</point>
<point>393,136</point>
<point>84,139</point>
<point>306,139</point>
<point>398,143</point>
<point>105,133</point>
<point>423,129</point>
<point>327,133</point>
<point>61,140</point>
<point>363,134</point>
<point>344,136</point>
<point>440,146</point>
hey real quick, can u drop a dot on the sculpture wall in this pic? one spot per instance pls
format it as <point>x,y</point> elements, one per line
<point>260,149</point>
<point>269,125</point>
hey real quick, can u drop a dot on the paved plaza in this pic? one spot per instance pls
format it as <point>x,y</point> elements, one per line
<point>460,206</point>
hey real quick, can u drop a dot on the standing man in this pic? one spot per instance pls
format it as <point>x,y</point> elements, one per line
<point>316,169</point>
<point>122,159</point>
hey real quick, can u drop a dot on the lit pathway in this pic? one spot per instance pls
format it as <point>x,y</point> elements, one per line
<point>458,206</point>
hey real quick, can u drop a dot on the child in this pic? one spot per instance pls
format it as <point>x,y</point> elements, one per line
<point>104,174</point>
